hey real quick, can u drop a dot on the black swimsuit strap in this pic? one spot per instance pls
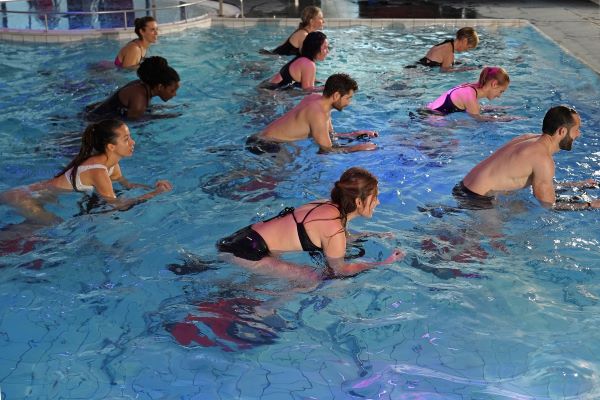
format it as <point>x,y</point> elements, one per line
<point>282,213</point>
<point>315,207</point>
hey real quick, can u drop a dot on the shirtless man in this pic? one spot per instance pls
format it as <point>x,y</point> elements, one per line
<point>526,161</point>
<point>312,117</point>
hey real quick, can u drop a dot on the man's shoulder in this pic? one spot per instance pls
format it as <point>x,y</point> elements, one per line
<point>313,102</point>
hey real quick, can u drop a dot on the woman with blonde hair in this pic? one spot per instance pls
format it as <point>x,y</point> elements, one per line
<point>311,21</point>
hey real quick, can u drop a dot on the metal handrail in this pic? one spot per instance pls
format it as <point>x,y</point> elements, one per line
<point>106,12</point>
<point>124,12</point>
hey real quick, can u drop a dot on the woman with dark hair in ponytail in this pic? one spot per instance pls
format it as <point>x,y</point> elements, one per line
<point>134,52</point>
<point>95,169</point>
<point>302,70</point>
<point>317,226</point>
<point>131,101</point>
<point>493,81</point>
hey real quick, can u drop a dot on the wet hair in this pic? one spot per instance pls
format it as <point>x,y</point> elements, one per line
<point>493,73</point>
<point>341,83</point>
<point>557,117</point>
<point>312,45</point>
<point>94,141</point>
<point>355,183</point>
<point>156,71</point>
<point>469,34</point>
<point>140,23</point>
<point>308,13</point>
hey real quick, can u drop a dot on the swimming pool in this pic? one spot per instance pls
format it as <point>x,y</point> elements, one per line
<point>486,305</point>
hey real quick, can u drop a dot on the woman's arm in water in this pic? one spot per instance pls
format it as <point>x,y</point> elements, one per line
<point>308,73</point>
<point>117,176</point>
<point>103,185</point>
<point>335,249</point>
<point>136,100</point>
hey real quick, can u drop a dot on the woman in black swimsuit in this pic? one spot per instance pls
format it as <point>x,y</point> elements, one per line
<point>318,226</point>
<point>442,54</point>
<point>302,70</point>
<point>312,20</point>
<point>157,78</point>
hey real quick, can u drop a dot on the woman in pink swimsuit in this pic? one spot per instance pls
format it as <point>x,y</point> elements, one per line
<point>134,52</point>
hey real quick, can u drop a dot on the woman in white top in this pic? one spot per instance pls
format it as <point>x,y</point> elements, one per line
<point>95,168</point>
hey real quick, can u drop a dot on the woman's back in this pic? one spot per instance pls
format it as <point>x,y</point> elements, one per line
<point>299,228</point>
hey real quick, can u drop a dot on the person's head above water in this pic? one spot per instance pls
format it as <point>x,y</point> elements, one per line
<point>146,28</point>
<point>355,191</point>
<point>162,79</point>
<point>562,120</point>
<point>312,17</point>
<point>340,88</point>
<point>494,80</point>
<point>101,138</point>
<point>315,46</point>
<point>466,39</point>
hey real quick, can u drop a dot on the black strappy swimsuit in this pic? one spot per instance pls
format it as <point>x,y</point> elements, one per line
<point>449,107</point>
<point>429,63</point>
<point>248,244</point>
<point>288,49</point>
<point>113,107</point>
<point>286,78</point>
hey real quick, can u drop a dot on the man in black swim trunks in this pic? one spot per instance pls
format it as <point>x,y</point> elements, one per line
<point>312,117</point>
<point>526,161</point>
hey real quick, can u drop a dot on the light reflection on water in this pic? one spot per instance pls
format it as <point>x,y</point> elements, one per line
<point>498,304</point>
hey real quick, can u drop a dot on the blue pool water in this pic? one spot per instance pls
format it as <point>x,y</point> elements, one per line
<point>501,304</point>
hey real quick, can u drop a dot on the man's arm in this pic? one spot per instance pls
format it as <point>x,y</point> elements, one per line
<point>357,134</point>
<point>320,128</point>
<point>542,180</point>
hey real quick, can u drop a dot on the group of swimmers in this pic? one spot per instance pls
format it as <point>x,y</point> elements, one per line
<point>321,225</point>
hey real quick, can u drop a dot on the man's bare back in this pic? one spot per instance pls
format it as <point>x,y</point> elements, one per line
<point>527,161</point>
<point>312,118</point>
<point>312,113</point>
<point>512,166</point>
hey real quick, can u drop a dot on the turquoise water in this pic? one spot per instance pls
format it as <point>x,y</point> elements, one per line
<point>500,304</point>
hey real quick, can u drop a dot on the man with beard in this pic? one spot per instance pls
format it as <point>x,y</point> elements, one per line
<point>312,117</point>
<point>526,161</point>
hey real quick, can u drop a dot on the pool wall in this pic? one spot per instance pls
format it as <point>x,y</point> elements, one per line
<point>60,36</point>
